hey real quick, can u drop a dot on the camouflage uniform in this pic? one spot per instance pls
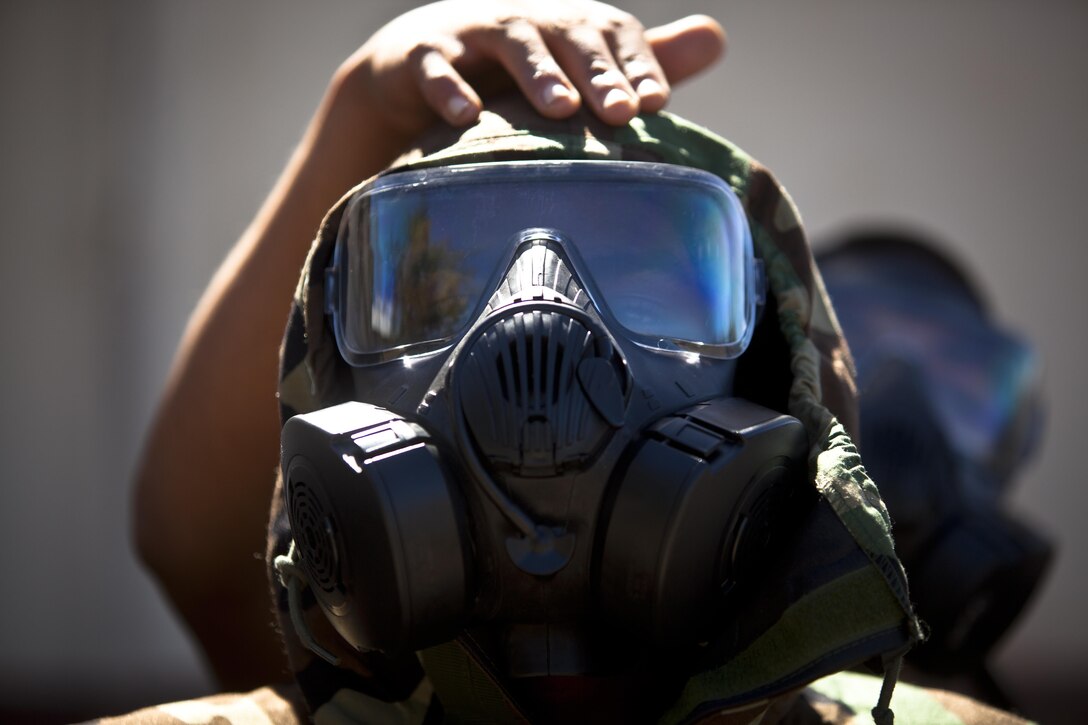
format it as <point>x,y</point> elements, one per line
<point>840,699</point>
<point>835,600</point>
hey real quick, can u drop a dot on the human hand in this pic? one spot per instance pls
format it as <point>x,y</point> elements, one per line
<point>437,61</point>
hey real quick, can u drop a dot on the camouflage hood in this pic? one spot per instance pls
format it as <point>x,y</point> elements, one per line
<point>836,599</point>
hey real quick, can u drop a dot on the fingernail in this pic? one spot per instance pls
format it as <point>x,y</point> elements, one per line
<point>456,106</point>
<point>611,77</point>
<point>556,92</point>
<point>616,97</point>
<point>650,87</point>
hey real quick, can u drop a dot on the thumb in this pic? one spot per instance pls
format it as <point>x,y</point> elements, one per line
<point>687,46</point>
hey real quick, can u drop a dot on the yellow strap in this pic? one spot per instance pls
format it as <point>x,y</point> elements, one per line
<point>469,693</point>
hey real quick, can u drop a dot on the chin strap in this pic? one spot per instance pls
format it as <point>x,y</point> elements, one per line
<point>293,578</point>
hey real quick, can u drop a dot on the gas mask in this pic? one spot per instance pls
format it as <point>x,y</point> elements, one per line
<point>541,427</point>
<point>545,441</point>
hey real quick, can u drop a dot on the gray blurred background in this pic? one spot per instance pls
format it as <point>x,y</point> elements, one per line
<point>138,138</point>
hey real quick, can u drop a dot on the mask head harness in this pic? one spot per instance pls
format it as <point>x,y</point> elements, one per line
<point>551,447</point>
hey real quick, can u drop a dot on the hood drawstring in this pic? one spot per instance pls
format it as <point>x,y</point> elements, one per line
<point>882,713</point>
<point>293,577</point>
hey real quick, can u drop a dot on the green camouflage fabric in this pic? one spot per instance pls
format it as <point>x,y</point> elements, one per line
<point>836,599</point>
<point>840,699</point>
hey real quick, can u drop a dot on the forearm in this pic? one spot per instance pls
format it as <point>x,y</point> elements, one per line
<point>213,446</point>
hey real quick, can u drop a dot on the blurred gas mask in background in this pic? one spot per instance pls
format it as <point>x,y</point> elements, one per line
<point>950,408</point>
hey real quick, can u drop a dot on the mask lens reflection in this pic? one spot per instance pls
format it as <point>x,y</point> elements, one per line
<point>669,254</point>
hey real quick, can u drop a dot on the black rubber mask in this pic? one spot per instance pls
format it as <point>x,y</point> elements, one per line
<point>548,480</point>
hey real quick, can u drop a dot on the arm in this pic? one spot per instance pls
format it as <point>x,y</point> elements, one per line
<point>207,470</point>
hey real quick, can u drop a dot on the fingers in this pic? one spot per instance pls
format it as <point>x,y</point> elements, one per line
<point>558,67</point>
<point>687,46</point>
<point>619,68</point>
<point>443,88</point>
<point>611,64</point>
<point>521,50</point>
<point>585,54</point>
<point>634,55</point>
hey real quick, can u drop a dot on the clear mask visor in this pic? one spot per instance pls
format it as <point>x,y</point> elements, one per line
<point>665,253</point>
